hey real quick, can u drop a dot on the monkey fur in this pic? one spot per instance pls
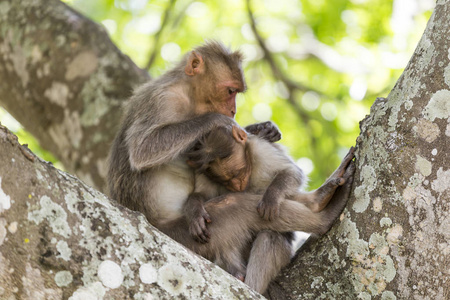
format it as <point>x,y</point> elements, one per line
<point>147,166</point>
<point>227,158</point>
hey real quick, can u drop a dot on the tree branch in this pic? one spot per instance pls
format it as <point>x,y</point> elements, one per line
<point>398,211</point>
<point>157,36</point>
<point>66,239</point>
<point>65,82</point>
<point>291,85</point>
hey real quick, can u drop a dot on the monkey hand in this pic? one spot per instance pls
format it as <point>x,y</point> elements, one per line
<point>268,208</point>
<point>266,130</point>
<point>197,226</point>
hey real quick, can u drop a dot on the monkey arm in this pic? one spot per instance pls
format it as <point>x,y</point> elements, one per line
<point>286,182</point>
<point>266,130</point>
<point>151,146</point>
<point>197,217</point>
<point>319,199</point>
<point>194,210</point>
<point>270,252</point>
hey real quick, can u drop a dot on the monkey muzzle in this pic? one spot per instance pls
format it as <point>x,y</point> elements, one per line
<point>236,185</point>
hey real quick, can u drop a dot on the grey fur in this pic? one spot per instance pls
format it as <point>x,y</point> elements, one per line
<point>276,177</point>
<point>148,173</point>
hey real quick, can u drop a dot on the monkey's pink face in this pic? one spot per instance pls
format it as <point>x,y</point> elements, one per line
<point>233,171</point>
<point>222,100</point>
<point>228,91</point>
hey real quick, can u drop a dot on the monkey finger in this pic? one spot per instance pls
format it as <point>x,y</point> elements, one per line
<point>204,230</point>
<point>275,137</point>
<point>266,214</point>
<point>197,232</point>
<point>206,217</point>
<point>203,239</point>
<point>205,236</point>
<point>344,163</point>
<point>271,135</point>
<point>253,129</point>
<point>273,213</point>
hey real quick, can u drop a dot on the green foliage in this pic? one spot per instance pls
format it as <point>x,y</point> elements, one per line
<point>348,52</point>
<point>26,138</point>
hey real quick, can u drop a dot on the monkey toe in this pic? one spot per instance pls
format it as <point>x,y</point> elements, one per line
<point>345,162</point>
<point>339,181</point>
<point>348,175</point>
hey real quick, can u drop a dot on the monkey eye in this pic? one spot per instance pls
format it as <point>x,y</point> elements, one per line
<point>231,91</point>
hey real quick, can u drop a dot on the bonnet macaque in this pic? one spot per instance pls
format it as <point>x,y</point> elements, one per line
<point>231,159</point>
<point>238,162</point>
<point>163,119</point>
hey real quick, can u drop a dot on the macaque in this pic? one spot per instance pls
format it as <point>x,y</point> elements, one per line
<point>227,158</point>
<point>238,162</point>
<point>147,164</point>
<point>163,119</point>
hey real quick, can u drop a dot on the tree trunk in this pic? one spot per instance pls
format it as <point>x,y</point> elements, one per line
<point>61,239</point>
<point>65,81</point>
<point>393,239</point>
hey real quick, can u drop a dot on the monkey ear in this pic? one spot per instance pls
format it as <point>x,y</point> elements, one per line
<point>195,64</point>
<point>239,134</point>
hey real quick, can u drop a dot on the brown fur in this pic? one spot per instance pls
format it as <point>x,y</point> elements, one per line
<point>149,144</point>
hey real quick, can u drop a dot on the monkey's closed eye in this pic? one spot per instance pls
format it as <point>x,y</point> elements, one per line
<point>223,155</point>
<point>231,91</point>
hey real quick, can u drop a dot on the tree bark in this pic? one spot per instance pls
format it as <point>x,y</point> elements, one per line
<point>65,81</point>
<point>393,239</point>
<point>60,239</point>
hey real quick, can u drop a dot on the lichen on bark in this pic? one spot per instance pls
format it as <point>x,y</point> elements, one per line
<point>390,243</point>
<point>60,239</point>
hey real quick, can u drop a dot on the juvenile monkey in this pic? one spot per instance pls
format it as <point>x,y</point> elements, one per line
<point>235,222</point>
<point>231,159</point>
<point>148,172</point>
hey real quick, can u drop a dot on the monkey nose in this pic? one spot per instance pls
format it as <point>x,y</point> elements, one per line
<point>236,186</point>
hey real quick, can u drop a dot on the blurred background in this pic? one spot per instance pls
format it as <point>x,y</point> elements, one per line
<point>314,67</point>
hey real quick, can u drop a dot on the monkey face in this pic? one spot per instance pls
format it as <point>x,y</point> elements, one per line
<point>219,98</point>
<point>232,171</point>
<point>223,156</point>
<point>216,88</point>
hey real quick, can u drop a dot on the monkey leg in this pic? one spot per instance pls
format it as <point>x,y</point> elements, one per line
<point>270,252</point>
<point>236,213</point>
<point>234,220</point>
<point>233,262</point>
<point>319,199</point>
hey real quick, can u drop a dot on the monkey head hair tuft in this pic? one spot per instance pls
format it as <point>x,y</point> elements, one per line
<point>217,144</point>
